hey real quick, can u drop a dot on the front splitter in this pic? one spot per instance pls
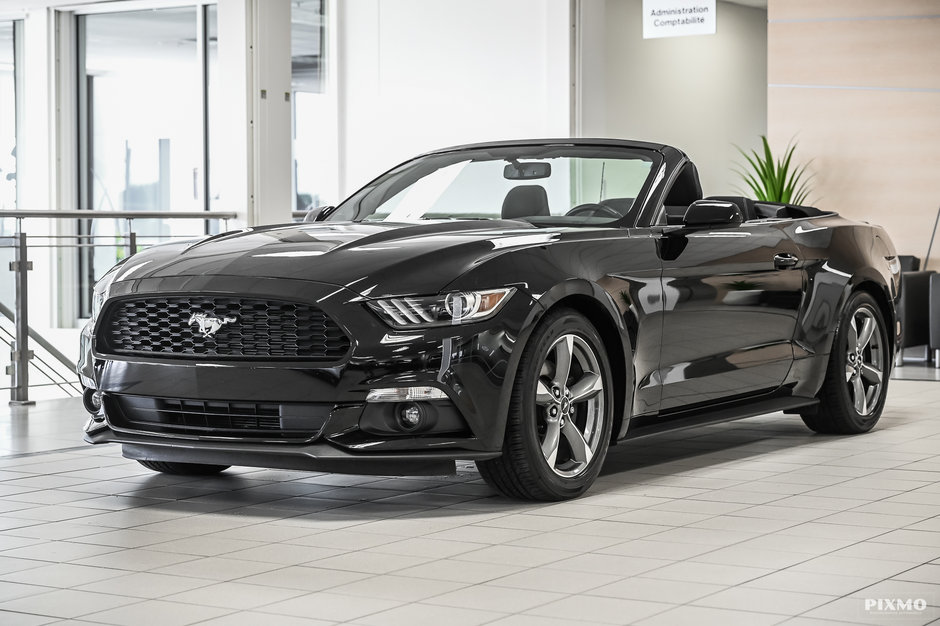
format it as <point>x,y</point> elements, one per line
<point>315,457</point>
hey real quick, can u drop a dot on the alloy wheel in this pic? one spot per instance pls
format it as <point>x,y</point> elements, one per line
<point>864,361</point>
<point>569,400</point>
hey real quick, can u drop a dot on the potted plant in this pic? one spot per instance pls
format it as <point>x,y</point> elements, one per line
<point>775,180</point>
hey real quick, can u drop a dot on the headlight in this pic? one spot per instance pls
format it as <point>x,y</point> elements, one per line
<point>97,299</point>
<point>459,307</point>
<point>100,292</point>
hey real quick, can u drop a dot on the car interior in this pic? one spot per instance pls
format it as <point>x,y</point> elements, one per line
<point>532,201</point>
<point>525,201</point>
<point>687,189</point>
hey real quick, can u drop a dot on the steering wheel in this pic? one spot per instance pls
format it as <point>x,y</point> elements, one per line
<point>595,209</point>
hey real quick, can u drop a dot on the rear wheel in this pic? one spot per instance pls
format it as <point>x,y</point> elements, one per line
<point>853,393</point>
<point>184,469</point>
<point>560,414</point>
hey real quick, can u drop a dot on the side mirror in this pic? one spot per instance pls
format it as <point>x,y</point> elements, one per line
<point>712,213</point>
<point>317,213</point>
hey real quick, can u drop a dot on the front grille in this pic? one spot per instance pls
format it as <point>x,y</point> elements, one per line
<point>249,329</point>
<point>251,420</point>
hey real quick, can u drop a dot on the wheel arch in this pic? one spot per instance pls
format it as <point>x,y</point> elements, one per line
<point>595,304</point>
<point>837,411</point>
<point>879,292</point>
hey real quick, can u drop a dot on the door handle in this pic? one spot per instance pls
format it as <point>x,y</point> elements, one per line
<point>785,260</point>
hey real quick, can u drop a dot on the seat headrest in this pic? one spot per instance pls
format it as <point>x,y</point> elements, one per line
<point>686,189</point>
<point>525,201</point>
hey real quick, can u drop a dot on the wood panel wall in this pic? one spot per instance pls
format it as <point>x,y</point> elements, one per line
<point>857,84</point>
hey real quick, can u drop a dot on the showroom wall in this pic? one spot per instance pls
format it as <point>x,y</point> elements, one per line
<point>856,82</point>
<point>415,75</point>
<point>703,94</point>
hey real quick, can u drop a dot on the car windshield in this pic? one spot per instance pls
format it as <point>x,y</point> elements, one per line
<point>544,185</point>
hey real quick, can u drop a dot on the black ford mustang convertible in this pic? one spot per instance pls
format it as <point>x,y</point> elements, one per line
<point>521,304</point>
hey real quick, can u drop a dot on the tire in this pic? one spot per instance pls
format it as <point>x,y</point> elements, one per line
<point>184,469</point>
<point>853,393</point>
<point>576,414</point>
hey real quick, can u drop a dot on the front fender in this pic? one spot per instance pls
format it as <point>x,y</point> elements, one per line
<point>596,303</point>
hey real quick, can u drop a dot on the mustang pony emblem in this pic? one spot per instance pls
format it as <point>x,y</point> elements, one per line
<point>209,324</point>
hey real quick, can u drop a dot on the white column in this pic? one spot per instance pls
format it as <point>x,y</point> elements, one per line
<point>272,113</point>
<point>233,170</point>
<point>35,179</point>
<point>589,65</point>
<point>254,73</point>
<point>36,164</point>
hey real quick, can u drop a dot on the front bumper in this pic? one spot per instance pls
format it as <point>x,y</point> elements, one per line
<point>469,363</point>
<point>316,457</point>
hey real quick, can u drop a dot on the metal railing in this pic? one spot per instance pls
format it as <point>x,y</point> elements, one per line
<point>21,355</point>
<point>66,383</point>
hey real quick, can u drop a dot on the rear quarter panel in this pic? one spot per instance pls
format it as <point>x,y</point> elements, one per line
<point>839,257</point>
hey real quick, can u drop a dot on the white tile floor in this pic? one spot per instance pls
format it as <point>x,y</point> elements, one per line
<point>753,522</point>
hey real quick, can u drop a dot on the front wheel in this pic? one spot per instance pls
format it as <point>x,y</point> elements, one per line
<point>856,384</point>
<point>560,413</point>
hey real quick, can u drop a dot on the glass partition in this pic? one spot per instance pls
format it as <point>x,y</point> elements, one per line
<point>213,107</point>
<point>314,120</point>
<point>7,116</point>
<point>144,79</point>
<point>142,83</point>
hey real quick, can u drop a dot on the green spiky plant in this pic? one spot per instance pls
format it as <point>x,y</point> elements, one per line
<point>776,180</point>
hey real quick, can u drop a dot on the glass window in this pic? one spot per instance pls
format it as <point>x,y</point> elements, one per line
<point>213,108</point>
<point>542,185</point>
<point>314,121</point>
<point>7,117</point>
<point>145,80</point>
<point>142,83</point>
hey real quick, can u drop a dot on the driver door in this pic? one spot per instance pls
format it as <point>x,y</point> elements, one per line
<point>731,297</point>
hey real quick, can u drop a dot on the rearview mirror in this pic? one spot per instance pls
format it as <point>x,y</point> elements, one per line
<point>712,213</point>
<point>527,171</point>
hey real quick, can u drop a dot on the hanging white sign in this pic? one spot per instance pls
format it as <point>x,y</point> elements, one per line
<point>678,18</point>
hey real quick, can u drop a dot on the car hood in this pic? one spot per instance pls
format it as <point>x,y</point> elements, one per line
<point>373,259</point>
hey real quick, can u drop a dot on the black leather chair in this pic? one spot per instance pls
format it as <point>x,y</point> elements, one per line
<point>913,310</point>
<point>909,263</point>
<point>525,201</point>
<point>919,314</point>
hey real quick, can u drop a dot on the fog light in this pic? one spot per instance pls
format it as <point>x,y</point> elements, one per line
<point>91,399</point>
<point>410,417</point>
